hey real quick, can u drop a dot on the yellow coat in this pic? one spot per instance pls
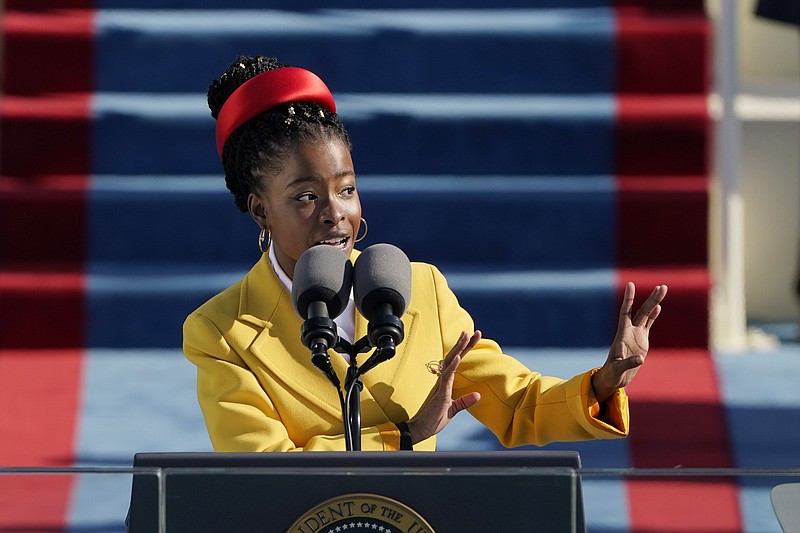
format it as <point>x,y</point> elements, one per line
<point>259,390</point>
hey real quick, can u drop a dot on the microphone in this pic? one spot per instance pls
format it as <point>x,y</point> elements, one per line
<point>382,290</point>
<point>320,292</point>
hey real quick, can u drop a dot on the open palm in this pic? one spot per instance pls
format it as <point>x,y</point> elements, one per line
<point>631,343</point>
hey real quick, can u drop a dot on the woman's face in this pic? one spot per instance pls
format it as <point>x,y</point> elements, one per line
<point>311,201</point>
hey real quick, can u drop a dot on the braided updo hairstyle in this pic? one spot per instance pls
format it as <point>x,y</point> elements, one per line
<point>259,146</point>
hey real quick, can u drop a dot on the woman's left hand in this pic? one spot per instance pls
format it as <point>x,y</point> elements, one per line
<point>439,408</point>
<point>630,345</point>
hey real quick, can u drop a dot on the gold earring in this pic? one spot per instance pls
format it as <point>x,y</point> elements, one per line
<point>262,235</point>
<point>366,230</point>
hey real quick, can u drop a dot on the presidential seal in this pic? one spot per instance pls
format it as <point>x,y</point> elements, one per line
<point>354,513</point>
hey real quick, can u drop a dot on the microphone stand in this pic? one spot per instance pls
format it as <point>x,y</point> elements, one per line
<point>385,348</point>
<point>352,383</point>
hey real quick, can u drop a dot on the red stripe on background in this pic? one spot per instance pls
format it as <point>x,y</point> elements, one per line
<point>689,506</point>
<point>38,387</point>
<point>34,503</point>
<point>47,51</point>
<point>45,135</point>
<point>679,388</point>
<point>48,73</point>
<point>38,5</point>
<point>39,393</point>
<point>685,320</point>
<point>662,162</point>
<point>43,222</point>
<point>42,310</point>
<point>42,249</point>
<point>662,221</point>
<point>660,5</point>
<point>662,49</point>
<point>662,135</point>
<point>662,78</point>
<point>677,420</point>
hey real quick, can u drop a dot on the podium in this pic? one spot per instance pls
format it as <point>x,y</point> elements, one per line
<point>318,492</point>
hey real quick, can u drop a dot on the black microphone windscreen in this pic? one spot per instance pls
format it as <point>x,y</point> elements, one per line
<point>322,274</point>
<point>382,275</point>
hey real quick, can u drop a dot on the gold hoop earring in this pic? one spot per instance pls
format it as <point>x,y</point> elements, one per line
<point>264,234</point>
<point>366,230</point>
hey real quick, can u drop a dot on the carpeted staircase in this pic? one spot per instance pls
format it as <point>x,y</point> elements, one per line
<point>540,153</point>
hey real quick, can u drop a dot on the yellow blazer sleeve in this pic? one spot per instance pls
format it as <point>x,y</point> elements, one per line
<point>520,406</point>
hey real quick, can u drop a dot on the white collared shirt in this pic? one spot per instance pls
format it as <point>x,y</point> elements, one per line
<point>345,323</point>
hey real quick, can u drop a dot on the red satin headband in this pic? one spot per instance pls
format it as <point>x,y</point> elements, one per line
<point>267,90</point>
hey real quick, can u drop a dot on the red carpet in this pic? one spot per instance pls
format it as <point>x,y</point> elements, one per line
<point>40,394</point>
<point>44,164</point>
<point>662,159</point>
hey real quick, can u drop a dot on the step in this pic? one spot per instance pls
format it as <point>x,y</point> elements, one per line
<point>514,222</point>
<point>537,222</point>
<point>548,223</point>
<point>429,134</point>
<point>42,309</point>
<point>463,51</point>
<point>580,308</point>
<point>511,222</point>
<point>62,39</point>
<point>662,220</point>
<point>566,49</point>
<point>143,306</point>
<point>311,4</point>
<point>533,222</point>
<point>434,134</point>
<point>43,222</point>
<point>662,50</point>
<point>47,135</point>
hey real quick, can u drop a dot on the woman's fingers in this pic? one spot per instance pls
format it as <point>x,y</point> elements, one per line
<point>439,408</point>
<point>465,402</point>
<point>652,316</point>
<point>627,304</point>
<point>630,362</point>
<point>651,307</point>
<point>649,310</point>
<point>462,347</point>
